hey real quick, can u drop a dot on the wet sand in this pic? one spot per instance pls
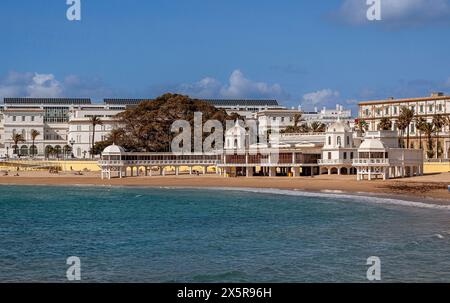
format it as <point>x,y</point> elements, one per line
<point>425,188</point>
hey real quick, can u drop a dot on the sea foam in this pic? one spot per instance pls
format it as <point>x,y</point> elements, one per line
<point>360,197</point>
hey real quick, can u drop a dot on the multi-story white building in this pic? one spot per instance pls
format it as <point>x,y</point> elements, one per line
<point>47,116</point>
<point>426,107</point>
<point>80,128</point>
<point>284,118</point>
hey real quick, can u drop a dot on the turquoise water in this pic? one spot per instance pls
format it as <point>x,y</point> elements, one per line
<point>189,235</point>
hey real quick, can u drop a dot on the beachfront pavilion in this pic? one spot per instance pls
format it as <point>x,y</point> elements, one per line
<point>116,162</point>
<point>376,160</point>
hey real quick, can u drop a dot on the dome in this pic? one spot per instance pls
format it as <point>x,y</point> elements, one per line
<point>236,130</point>
<point>339,127</point>
<point>114,149</point>
<point>372,144</point>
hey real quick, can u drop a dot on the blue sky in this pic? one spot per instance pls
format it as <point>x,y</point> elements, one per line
<point>315,53</point>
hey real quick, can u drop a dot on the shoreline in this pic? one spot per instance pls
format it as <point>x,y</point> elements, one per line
<point>430,189</point>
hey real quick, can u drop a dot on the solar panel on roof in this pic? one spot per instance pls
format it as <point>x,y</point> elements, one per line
<point>46,101</point>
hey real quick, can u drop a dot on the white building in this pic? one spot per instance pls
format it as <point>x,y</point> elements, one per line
<point>284,118</point>
<point>80,128</point>
<point>425,107</point>
<point>376,155</point>
<point>339,149</point>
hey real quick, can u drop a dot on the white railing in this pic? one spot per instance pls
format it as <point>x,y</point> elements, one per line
<point>156,162</point>
<point>301,134</point>
<point>370,161</point>
<point>334,161</point>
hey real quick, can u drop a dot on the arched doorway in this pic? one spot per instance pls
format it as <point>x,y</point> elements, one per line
<point>24,150</point>
<point>49,151</point>
<point>58,151</point>
<point>33,150</point>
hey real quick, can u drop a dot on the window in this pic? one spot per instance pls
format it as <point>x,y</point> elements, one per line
<point>32,118</point>
<point>421,108</point>
<point>395,110</point>
<point>386,110</point>
<point>440,107</point>
<point>351,155</point>
<point>78,128</point>
<point>367,112</point>
<point>413,128</point>
<point>430,108</point>
<point>329,155</point>
<point>339,141</point>
<point>413,108</point>
<point>329,140</point>
<point>14,118</point>
<point>348,140</point>
<point>345,155</point>
<point>282,119</point>
<point>23,118</point>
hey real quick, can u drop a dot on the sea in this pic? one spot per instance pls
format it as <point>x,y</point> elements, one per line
<point>132,234</point>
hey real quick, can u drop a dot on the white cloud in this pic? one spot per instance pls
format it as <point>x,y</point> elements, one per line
<point>396,12</point>
<point>322,97</point>
<point>237,87</point>
<point>16,84</point>
<point>45,86</point>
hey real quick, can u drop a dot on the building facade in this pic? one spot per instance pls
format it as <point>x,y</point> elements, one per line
<point>283,118</point>
<point>64,127</point>
<point>427,107</point>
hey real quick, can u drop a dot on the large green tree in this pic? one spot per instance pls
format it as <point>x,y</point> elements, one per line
<point>147,127</point>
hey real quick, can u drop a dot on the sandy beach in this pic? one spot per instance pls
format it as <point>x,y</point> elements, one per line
<point>429,187</point>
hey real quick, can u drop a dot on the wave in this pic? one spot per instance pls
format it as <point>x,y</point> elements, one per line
<point>359,197</point>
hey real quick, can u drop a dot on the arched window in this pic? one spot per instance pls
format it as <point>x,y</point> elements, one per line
<point>339,141</point>
<point>24,133</point>
<point>348,140</point>
<point>329,140</point>
<point>236,143</point>
<point>24,150</point>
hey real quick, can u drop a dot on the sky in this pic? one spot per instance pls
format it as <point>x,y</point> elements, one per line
<point>310,53</point>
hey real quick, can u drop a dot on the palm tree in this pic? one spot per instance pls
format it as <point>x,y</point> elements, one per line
<point>297,119</point>
<point>318,127</point>
<point>17,138</point>
<point>420,122</point>
<point>428,130</point>
<point>116,135</point>
<point>94,120</point>
<point>404,120</point>
<point>361,125</point>
<point>438,123</point>
<point>34,135</point>
<point>385,124</point>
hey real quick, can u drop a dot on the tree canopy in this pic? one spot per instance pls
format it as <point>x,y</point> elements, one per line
<point>147,127</point>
